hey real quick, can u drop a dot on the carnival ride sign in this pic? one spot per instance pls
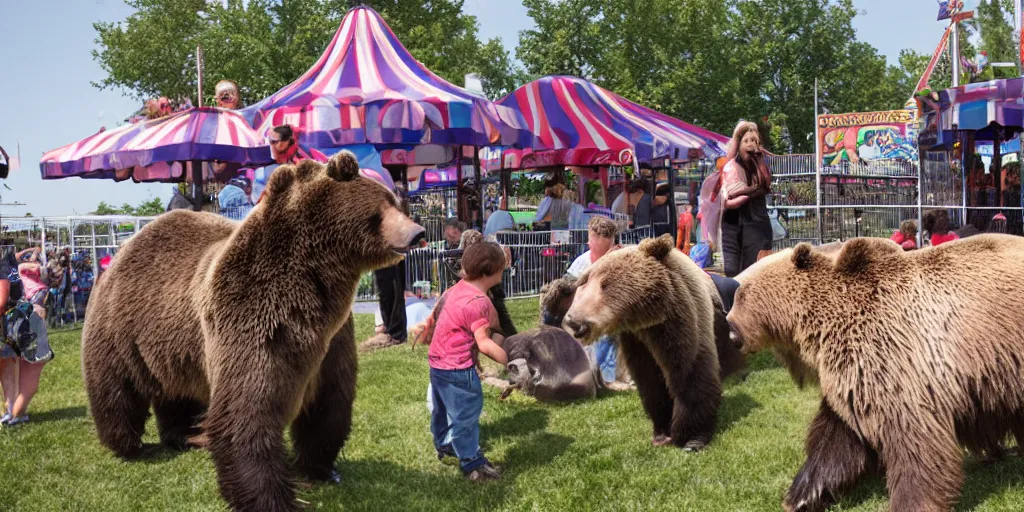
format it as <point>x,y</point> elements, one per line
<point>867,136</point>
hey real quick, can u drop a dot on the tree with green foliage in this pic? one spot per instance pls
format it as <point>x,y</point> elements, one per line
<point>264,44</point>
<point>715,62</point>
<point>151,207</point>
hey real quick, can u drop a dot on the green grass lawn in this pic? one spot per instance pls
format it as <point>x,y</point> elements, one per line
<point>587,456</point>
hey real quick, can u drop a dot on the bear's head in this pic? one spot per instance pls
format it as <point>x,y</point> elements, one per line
<point>555,300</point>
<point>783,299</point>
<point>327,212</point>
<point>625,289</point>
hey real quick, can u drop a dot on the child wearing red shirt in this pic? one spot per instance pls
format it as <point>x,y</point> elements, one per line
<point>461,330</point>
<point>906,236</point>
<point>936,223</point>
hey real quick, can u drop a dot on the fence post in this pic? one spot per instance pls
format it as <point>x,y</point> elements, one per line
<point>817,199</point>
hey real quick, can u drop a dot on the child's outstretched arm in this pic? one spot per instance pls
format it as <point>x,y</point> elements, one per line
<point>488,347</point>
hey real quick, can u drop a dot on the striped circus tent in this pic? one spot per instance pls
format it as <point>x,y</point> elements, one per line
<point>152,150</point>
<point>366,88</point>
<point>586,125</point>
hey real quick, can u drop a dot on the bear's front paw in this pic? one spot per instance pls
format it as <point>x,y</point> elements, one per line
<point>661,440</point>
<point>695,445</point>
<point>806,495</point>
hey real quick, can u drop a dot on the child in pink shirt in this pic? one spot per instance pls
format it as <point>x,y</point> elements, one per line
<point>936,223</point>
<point>461,330</point>
<point>906,236</point>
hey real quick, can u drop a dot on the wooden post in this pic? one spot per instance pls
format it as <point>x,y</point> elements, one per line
<point>197,185</point>
<point>997,167</point>
<point>459,197</point>
<point>478,176</point>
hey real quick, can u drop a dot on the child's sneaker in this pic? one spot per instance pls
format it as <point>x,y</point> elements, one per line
<point>484,473</point>
<point>17,421</point>
<point>5,419</point>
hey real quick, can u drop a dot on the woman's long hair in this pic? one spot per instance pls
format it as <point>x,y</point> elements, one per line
<point>733,151</point>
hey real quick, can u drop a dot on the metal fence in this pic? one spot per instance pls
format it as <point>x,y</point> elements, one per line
<point>88,239</point>
<point>537,258</point>
<point>872,199</point>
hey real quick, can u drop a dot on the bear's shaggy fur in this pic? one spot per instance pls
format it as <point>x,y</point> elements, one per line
<point>556,297</point>
<point>549,365</point>
<point>244,327</point>
<point>661,306</point>
<point>917,354</point>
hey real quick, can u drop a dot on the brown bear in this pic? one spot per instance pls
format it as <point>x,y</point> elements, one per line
<point>660,304</point>
<point>244,326</point>
<point>917,354</point>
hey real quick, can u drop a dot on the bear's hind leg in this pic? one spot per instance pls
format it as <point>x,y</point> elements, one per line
<point>323,426</point>
<point>177,420</point>
<point>924,468</point>
<point>119,412</point>
<point>836,458</point>
<point>650,385</point>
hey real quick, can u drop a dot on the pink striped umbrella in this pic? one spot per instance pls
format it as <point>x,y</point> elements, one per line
<point>151,148</point>
<point>367,88</point>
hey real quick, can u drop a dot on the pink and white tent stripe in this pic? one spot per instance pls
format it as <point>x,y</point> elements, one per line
<point>582,124</point>
<point>367,88</point>
<point>149,147</point>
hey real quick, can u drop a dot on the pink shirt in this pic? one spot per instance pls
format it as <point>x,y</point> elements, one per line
<point>938,239</point>
<point>465,310</point>
<point>31,280</point>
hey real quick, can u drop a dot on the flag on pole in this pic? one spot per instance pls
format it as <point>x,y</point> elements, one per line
<point>15,162</point>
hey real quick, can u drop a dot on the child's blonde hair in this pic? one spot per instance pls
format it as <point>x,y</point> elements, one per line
<point>908,228</point>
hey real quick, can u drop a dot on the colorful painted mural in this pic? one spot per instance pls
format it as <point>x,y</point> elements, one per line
<point>867,136</point>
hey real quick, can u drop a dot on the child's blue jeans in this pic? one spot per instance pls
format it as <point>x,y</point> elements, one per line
<point>458,400</point>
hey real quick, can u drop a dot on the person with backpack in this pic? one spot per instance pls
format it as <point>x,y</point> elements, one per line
<point>26,348</point>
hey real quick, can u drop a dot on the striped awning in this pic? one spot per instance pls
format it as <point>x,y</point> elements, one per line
<point>977,106</point>
<point>579,123</point>
<point>150,147</point>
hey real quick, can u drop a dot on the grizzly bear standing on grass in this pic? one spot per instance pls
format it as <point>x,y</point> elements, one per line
<point>662,306</point>
<point>917,353</point>
<point>246,327</point>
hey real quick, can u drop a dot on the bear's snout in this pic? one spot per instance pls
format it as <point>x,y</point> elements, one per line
<point>734,335</point>
<point>418,238</point>
<point>579,330</point>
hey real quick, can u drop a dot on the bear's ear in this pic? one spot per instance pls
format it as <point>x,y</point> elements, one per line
<point>307,169</point>
<point>343,166</point>
<point>657,248</point>
<point>280,180</point>
<point>803,256</point>
<point>858,253</point>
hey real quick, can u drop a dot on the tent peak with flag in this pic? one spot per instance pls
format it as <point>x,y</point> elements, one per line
<point>367,88</point>
<point>579,123</point>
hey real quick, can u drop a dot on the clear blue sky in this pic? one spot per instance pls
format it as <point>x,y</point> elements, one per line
<point>46,100</point>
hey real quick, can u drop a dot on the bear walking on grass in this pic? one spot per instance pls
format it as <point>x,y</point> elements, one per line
<point>662,306</point>
<point>233,331</point>
<point>917,354</point>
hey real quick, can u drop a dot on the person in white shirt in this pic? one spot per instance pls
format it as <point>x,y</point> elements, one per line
<point>601,233</point>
